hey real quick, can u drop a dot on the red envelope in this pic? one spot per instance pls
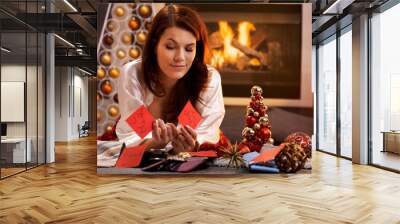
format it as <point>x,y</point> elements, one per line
<point>131,157</point>
<point>189,116</point>
<point>141,121</point>
<point>268,155</point>
<point>209,153</point>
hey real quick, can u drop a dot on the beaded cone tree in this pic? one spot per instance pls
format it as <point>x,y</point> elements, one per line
<point>258,128</point>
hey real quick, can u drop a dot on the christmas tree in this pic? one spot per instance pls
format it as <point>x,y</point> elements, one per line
<point>258,128</point>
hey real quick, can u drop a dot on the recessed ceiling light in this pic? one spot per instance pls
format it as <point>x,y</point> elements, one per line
<point>70,5</point>
<point>64,40</point>
<point>337,7</point>
<point>84,71</point>
<point>5,50</point>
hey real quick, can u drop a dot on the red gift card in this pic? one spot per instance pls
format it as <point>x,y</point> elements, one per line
<point>268,155</point>
<point>189,116</point>
<point>131,157</point>
<point>209,153</point>
<point>141,121</point>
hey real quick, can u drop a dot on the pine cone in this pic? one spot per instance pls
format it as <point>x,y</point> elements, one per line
<point>291,158</point>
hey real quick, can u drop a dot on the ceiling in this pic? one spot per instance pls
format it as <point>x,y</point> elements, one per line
<point>79,27</point>
<point>76,24</point>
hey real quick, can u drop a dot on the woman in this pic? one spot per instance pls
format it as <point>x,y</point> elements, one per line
<point>171,72</point>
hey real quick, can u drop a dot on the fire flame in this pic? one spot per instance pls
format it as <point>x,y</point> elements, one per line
<point>230,54</point>
<point>244,29</point>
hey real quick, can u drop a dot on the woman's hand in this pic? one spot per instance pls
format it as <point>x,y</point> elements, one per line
<point>162,134</point>
<point>184,139</point>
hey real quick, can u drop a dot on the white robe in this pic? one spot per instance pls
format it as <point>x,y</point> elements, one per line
<point>132,94</point>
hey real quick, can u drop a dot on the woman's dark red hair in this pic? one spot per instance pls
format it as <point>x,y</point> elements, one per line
<point>191,84</point>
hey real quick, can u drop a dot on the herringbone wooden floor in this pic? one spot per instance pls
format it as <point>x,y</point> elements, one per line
<point>70,191</point>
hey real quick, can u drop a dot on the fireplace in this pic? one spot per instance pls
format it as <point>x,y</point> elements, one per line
<point>255,44</point>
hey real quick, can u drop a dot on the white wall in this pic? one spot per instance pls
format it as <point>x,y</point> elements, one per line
<point>79,117</point>
<point>16,73</point>
<point>34,125</point>
<point>70,83</point>
<point>61,103</point>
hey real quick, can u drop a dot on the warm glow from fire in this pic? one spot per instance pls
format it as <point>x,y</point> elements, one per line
<point>244,29</point>
<point>230,54</point>
<point>217,59</point>
<point>255,62</point>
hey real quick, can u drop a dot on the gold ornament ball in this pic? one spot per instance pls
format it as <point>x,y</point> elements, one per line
<point>113,111</point>
<point>256,114</point>
<point>141,37</point>
<point>248,132</point>
<point>134,23</point>
<point>264,121</point>
<point>145,11</point>
<point>111,26</point>
<point>101,73</point>
<point>109,128</point>
<point>250,110</point>
<point>99,97</point>
<point>256,90</point>
<point>114,73</point>
<point>106,59</point>
<point>134,53</point>
<point>121,54</point>
<point>271,141</point>
<point>99,116</point>
<point>119,11</point>
<point>256,126</point>
<point>127,38</point>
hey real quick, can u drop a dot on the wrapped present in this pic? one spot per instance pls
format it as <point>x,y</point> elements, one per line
<point>268,155</point>
<point>263,169</point>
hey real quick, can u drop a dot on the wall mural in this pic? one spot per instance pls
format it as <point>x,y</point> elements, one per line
<point>184,135</point>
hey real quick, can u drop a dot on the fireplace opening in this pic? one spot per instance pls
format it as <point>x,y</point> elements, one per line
<point>255,44</point>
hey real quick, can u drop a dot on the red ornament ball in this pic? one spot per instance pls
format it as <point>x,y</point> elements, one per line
<point>115,98</point>
<point>253,147</point>
<point>250,121</point>
<point>264,134</point>
<point>259,141</point>
<point>258,97</point>
<point>106,87</point>
<point>301,139</point>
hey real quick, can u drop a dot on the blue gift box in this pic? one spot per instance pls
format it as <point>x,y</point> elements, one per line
<point>263,169</point>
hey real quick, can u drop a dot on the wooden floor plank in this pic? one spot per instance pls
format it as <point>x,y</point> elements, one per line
<point>70,191</point>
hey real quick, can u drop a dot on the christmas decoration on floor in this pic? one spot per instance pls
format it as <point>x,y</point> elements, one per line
<point>258,128</point>
<point>301,139</point>
<point>232,155</point>
<point>304,141</point>
<point>291,158</point>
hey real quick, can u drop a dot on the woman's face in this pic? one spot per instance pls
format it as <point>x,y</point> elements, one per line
<point>176,50</point>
